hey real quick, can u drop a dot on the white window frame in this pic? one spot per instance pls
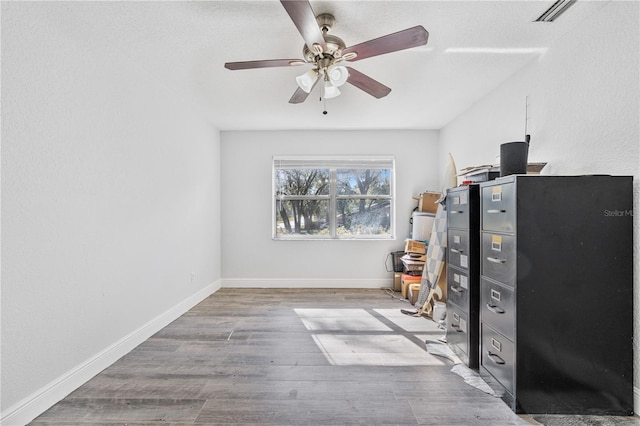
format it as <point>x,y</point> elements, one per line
<point>334,163</point>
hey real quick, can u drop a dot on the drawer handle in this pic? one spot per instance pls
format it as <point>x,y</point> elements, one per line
<point>495,309</point>
<point>496,211</point>
<point>456,289</point>
<point>457,251</point>
<point>456,212</point>
<point>495,260</point>
<point>456,327</point>
<point>495,358</point>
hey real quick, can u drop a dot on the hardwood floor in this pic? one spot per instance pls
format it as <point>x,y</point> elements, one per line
<point>290,357</point>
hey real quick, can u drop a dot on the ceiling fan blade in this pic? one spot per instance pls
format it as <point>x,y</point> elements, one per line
<point>367,84</point>
<point>263,64</point>
<point>300,95</point>
<point>405,39</point>
<point>303,17</point>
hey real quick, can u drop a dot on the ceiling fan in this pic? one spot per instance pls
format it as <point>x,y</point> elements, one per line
<point>327,53</point>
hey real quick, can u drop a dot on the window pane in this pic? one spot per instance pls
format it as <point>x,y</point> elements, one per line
<point>333,197</point>
<point>302,182</point>
<point>359,217</point>
<point>364,181</point>
<point>302,217</point>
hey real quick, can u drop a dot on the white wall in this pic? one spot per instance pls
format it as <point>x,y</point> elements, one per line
<point>584,113</point>
<point>111,188</point>
<point>583,103</point>
<point>110,201</point>
<point>250,258</point>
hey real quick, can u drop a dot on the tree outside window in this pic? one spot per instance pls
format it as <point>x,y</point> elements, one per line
<point>339,198</point>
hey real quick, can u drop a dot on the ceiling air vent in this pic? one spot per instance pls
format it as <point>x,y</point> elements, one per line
<point>557,8</point>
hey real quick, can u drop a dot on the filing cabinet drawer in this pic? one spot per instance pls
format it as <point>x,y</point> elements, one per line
<point>457,328</point>
<point>458,287</point>
<point>497,306</point>
<point>458,209</point>
<point>499,208</point>
<point>458,243</point>
<point>499,257</point>
<point>498,356</point>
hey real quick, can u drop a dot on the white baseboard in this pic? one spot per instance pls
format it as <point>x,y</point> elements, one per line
<point>37,403</point>
<point>307,283</point>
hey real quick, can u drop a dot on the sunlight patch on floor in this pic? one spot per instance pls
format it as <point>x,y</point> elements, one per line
<point>358,337</point>
<point>387,350</point>
<point>340,319</point>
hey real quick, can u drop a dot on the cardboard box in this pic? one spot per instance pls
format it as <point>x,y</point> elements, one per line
<point>427,201</point>
<point>413,292</point>
<point>397,281</point>
<point>409,279</point>
<point>415,246</point>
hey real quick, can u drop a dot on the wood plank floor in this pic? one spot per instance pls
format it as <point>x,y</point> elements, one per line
<point>291,357</point>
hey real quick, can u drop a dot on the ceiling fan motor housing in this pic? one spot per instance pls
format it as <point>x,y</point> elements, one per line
<point>334,49</point>
<point>325,21</point>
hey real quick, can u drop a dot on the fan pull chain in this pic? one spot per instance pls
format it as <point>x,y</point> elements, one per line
<point>322,98</point>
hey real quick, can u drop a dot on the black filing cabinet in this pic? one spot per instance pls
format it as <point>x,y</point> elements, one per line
<point>556,292</point>
<point>463,272</point>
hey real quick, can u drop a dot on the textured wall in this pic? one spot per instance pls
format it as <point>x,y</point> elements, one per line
<point>110,199</point>
<point>584,109</point>
<point>582,100</point>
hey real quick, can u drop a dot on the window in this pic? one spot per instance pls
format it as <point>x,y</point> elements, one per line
<point>333,197</point>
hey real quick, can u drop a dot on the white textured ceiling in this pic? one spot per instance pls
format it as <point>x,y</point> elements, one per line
<point>473,47</point>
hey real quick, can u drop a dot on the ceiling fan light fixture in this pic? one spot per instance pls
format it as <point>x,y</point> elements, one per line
<point>330,91</point>
<point>338,75</point>
<point>307,80</point>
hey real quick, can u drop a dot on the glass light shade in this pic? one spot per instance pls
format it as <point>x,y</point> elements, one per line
<point>338,75</point>
<point>307,80</point>
<point>330,91</point>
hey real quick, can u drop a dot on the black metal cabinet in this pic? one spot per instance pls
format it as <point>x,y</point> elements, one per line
<point>556,292</point>
<point>463,272</point>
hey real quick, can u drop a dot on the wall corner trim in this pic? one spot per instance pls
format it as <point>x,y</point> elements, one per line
<point>38,402</point>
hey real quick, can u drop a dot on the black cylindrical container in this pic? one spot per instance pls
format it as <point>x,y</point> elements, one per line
<point>513,158</point>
